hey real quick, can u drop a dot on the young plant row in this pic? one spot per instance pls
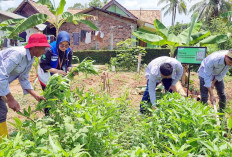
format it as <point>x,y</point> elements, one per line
<point>92,124</point>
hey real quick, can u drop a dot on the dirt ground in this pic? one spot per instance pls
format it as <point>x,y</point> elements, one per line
<point>119,84</point>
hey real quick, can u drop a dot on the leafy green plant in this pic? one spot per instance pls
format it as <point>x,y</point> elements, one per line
<point>127,56</point>
<point>13,27</point>
<point>95,124</point>
<point>221,26</point>
<point>113,61</point>
<point>192,36</point>
<point>86,67</point>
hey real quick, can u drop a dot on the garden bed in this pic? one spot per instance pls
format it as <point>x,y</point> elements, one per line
<point>120,82</point>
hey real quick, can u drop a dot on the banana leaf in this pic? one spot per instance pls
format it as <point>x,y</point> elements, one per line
<point>161,29</point>
<point>148,37</point>
<point>60,8</point>
<point>29,23</point>
<point>214,39</point>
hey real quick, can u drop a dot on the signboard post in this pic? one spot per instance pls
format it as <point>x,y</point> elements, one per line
<point>190,55</point>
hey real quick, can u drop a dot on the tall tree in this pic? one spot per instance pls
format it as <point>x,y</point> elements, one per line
<point>79,6</point>
<point>212,8</point>
<point>172,6</point>
<point>97,3</point>
<point>10,9</point>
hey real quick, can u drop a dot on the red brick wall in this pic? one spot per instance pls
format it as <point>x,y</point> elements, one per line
<point>121,32</point>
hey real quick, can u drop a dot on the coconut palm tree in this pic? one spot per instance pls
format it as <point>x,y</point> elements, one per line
<point>172,6</point>
<point>209,9</point>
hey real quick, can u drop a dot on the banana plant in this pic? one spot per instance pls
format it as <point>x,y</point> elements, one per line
<point>228,15</point>
<point>62,17</point>
<point>13,27</point>
<point>192,36</point>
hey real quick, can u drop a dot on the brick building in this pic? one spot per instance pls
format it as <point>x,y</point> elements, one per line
<point>114,27</point>
<point>115,23</point>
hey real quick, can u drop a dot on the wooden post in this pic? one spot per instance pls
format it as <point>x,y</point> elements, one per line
<point>216,115</point>
<point>112,37</point>
<point>105,81</point>
<point>139,62</point>
<point>183,78</point>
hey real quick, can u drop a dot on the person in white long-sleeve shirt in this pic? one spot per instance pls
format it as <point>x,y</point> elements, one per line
<point>162,69</point>
<point>15,63</point>
<point>211,72</point>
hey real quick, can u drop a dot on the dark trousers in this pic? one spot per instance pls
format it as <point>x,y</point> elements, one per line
<point>3,111</point>
<point>219,86</point>
<point>167,82</point>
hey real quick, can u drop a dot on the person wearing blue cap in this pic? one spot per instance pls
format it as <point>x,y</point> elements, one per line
<point>57,59</point>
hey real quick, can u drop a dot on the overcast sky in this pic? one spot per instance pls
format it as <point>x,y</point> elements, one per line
<point>128,4</point>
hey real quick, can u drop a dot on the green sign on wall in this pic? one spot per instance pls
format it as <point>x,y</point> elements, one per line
<point>191,55</point>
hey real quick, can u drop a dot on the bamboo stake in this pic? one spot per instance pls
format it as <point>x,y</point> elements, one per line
<point>216,115</point>
<point>139,63</point>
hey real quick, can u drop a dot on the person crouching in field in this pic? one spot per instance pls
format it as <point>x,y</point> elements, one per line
<point>211,72</point>
<point>162,69</point>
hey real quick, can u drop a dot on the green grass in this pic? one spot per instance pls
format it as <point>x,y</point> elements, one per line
<point>228,79</point>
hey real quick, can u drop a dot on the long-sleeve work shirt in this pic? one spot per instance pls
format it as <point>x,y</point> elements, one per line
<point>213,67</point>
<point>154,76</point>
<point>15,62</point>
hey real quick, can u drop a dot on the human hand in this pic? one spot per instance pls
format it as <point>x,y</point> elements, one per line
<point>39,98</point>
<point>173,88</point>
<point>61,72</point>
<point>153,107</point>
<point>212,98</point>
<point>70,69</point>
<point>13,104</point>
<point>212,86</point>
<point>213,83</point>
